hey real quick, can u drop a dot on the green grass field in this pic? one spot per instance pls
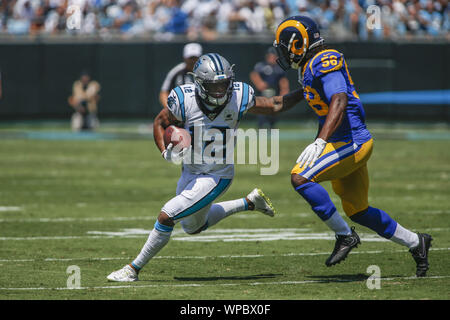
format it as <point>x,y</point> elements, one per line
<point>91,203</point>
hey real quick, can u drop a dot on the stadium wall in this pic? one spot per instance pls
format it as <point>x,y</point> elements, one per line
<point>396,81</point>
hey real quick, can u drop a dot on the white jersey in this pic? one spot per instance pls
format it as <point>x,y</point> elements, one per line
<point>183,104</point>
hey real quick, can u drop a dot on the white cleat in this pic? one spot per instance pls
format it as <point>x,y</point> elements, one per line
<point>262,202</point>
<point>126,274</point>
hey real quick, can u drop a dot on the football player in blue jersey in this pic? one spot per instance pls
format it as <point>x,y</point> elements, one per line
<point>342,147</point>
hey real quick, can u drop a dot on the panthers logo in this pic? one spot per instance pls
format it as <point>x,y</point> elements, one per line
<point>171,102</point>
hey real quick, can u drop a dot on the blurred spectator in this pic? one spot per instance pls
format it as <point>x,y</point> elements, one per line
<point>208,19</point>
<point>209,26</point>
<point>270,80</point>
<point>156,16</point>
<point>84,99</point>
<point>179,75</point>
<point>178,23</point>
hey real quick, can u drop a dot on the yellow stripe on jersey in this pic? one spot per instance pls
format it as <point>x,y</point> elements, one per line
<point>348,75</point>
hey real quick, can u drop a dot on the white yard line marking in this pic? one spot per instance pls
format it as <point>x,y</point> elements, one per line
<point>6,209</point>
<point>300,254</point>
<point>101,219</point>
<point>70,219</point>
<point>209,238</point>
<point>221,284</point>
<point>58,238</point>
<point>214,235</point>
<point>436,229</point>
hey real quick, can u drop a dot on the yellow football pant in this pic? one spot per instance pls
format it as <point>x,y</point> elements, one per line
<point>345,165</point>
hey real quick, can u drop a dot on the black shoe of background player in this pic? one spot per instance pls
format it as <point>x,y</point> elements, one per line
<point>344,244</point>
<point>420,254</point>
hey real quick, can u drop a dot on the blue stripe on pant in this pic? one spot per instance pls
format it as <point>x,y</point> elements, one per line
<point>206,200</point>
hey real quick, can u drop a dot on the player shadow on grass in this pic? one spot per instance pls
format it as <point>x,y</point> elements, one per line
<point>344,277</point>
<point>340,277</point>
<point>250,277</point>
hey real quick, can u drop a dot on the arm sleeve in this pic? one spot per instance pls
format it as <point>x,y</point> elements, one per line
<point>333,82</point>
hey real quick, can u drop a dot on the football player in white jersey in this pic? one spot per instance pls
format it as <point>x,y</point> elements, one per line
<point>214,102</point>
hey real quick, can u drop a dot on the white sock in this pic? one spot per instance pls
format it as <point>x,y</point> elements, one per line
<point>338,225</point>
<point>155,242</point>
<point>405,237</point>
<point>224,209</point>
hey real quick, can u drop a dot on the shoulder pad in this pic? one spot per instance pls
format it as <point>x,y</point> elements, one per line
<point>326,61</point>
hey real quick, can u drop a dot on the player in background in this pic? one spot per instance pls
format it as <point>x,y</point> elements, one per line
<point>215,101</point>
<point>84,101</point>
<point>270,80</point>
<point>342,147</point>
<point>180,74</point>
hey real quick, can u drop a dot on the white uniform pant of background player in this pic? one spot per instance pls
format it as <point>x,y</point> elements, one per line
<point>195,195</point>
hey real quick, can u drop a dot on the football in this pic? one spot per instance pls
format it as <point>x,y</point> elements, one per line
<point>179,137</point>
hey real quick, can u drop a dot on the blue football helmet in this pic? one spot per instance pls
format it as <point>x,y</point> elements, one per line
<point>295,36</point>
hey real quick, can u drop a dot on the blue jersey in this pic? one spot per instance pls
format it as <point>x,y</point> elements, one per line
<point>325,75</point>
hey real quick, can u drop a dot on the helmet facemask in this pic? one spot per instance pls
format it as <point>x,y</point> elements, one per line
<point>215,93</point>
<point>286,58</point>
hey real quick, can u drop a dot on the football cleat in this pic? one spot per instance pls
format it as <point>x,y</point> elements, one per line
<point>126,274</point>
<point>262,202</point>
<point>420,254</point>
<point>343,246</point>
